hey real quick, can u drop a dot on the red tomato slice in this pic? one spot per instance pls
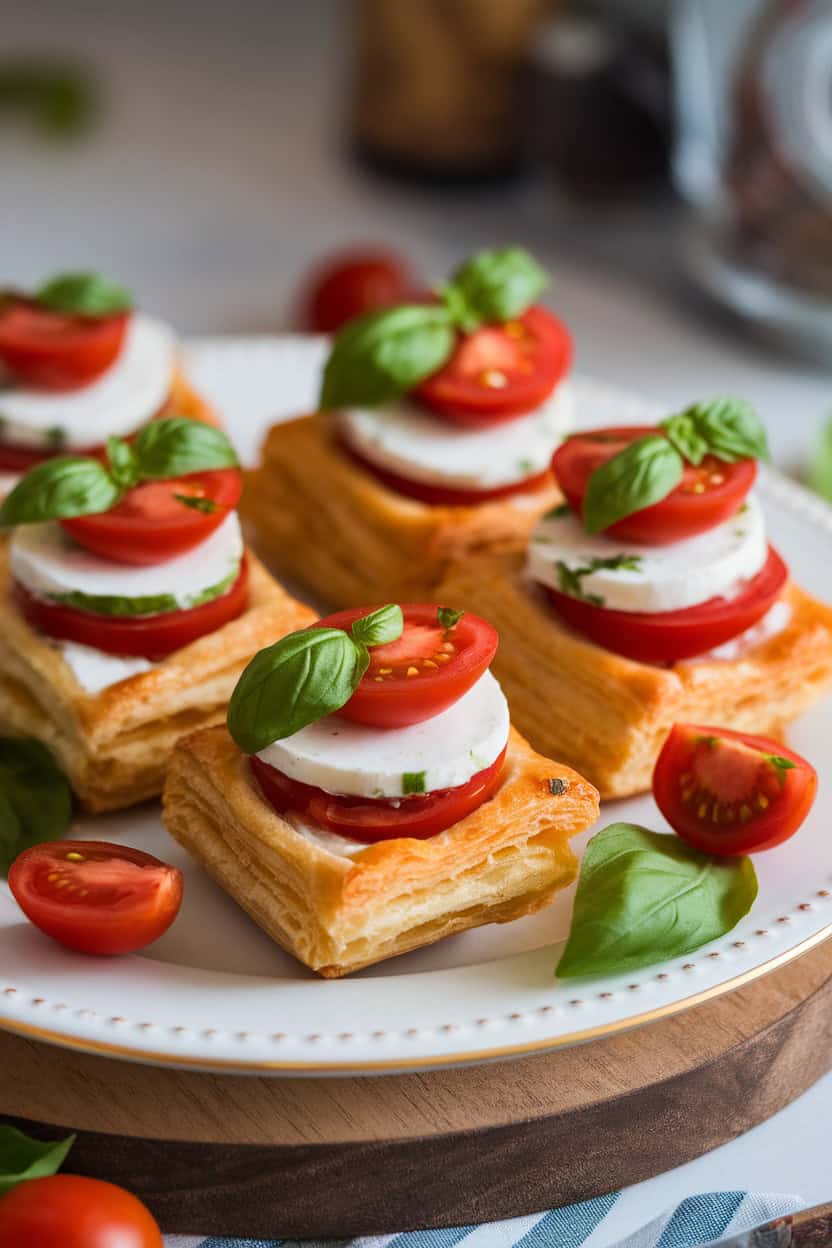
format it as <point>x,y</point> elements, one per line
<point>705,497</point>
<point>96,897</point>
<point>151,524</point>
<point>147,636</point>
<point>500,371</point>
<point>52,351</point>
<point>668,636</point>
<point>731,793</point>
<point>424,672</point>
<point>440,495</point>
<point>72,1212</point>
<point>370,819</point>
<point>353,283</point>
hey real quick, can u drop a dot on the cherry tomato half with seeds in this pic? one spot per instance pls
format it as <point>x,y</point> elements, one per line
<point>52,351</point>
<point>351,284</point>
<point>68,1211</point>
<point>729,792</point>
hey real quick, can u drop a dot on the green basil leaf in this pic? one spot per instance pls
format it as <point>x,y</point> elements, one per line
<point>84,294</point>
<point>60,487</point>
<point>819,468</point>
<point>206,505</point>
<point>643,898</point>
<point>379,627</point>
<point>448,617</point>
<point>682,432</point>
<point>382,355</point>
<point>643,473</point>
<point>23,1158</point>
<point>413,782</point>
<point>495,285</point>
<point>35,798</point>
<point>295,682</point>
<point>176,446</point>
<point>730,427</point>
<point>124,468</point>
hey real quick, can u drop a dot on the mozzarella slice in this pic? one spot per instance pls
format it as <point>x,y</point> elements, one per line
<point>124,398</point>
<point>47,562</point>
<point>651,578</point>
<point>411,442</point>
<point>94,670</point>
<point>357,761</point>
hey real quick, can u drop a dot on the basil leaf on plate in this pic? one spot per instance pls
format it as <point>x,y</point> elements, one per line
<point>730,427</point>
<point>71,486</point>
<point>494,286</point>
<point>643,473</point>
<point>84,294</point>
<point>35,798</point>
<point>644,897</point>
<point>124,468</point>
<point>177,446</point>
<point>380,626</point>
<point>23,1158</point>
<point>681,431</point>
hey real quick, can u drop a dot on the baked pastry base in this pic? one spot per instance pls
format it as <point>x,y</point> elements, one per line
<point>608,716</point>
<point>338,914</point>
<point>326,523</point>
<point>114,745</point>
<point>183,400</point>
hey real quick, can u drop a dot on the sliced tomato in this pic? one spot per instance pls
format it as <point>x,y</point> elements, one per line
<point>352,283</point>
<point>500,371</point>
<point>729,792</point>
<point>146,636</point>
<point>668,636</point>
<point>374,819</point>
<point>423,673</point>
<point>708,494</point>
<point>440,495</point>
<point>68,1211</point>
<point>96,897</point>
<point>152,523</point>
<point>52,351</point>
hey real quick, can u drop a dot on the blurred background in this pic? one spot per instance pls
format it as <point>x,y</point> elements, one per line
<point>669,162</point>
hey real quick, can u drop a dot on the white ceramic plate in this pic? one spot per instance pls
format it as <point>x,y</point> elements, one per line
<point>216,993</point>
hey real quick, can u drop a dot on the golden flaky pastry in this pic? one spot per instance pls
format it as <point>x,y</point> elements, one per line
<point>328,523</point>
<point>609,716</point>
<point>340,913</point>
<point>114,745</point>
<point>183,400</point>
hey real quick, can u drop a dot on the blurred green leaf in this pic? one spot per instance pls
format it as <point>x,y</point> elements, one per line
<point>819,470</point>
<point>60,99</point>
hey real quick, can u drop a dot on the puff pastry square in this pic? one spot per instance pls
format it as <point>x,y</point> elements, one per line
<point>324,521</point>
<point>337,913</point>
<point>609,716</point>
<point>114,745</point>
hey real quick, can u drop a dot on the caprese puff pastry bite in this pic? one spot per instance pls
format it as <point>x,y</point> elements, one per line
<point>369,794</point>
<point>437,426</point>
<point>78,364</point>
<point>129,605</point>
<point>652,596</point>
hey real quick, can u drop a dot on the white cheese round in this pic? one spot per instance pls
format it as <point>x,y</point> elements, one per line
<point>651,578</point>
<point>95,670</point>
<point>409,441</point>
<point>47,562</point>
<point>120,401</point>
<point>444,752</point>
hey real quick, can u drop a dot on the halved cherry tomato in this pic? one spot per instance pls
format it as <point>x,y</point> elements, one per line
<point>731,793</point>
<point>668,636</point>
<point>500,371</point>
<point>96,897</point>
<point>374,819</point>
<point>52,351</point>
<point>151,524</point>
<point>352,283</point>
<point>68,1211</point>
<point>705,497</point>
<point>146,636</point>
<point>440,495</point>
<point>423,673</point>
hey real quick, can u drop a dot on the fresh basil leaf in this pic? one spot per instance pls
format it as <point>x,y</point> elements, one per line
<point>84,294</point>
<point>379,627</point>
<point>177,446</point>
<point>413,782</point>
<point>448,617</point>
<point>571,580</point>
<point>121,606</point>
<point>730,427</point>
<point>682,432</point>
<point>206,505</point>
<point>23,1158</point>
<point>295,682</point>
<point>382,355</point>
<point>819,468</point>
<point>643,898</point>
<point>35,798</point>
<point>124,468</point>
<point>643,473</point>
<point>494,286</point>
<point>60,487</point>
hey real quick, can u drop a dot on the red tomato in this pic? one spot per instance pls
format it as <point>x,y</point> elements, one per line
<point>53,351</point>
<point>439,495</point>
<point>145,636</point>
<point>500,371</point>
<point>352,283</point>
<point>424,672</point>
<point>96,897</point>
<point>668,636</point>
<point>22,458</point>
<point>731,793</point>
<point>151,524</point>
<point>373,819</point>
<point>67,1211</point>
<point>705,497</point>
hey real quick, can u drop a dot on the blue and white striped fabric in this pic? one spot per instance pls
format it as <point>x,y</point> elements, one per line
<point>701,1219</point>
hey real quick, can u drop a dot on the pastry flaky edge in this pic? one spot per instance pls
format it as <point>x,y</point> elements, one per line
<point>339,914</point>
<point>183,400</point>
<point>320,518</point>
<point>609,716</point>
<point>114,745</point>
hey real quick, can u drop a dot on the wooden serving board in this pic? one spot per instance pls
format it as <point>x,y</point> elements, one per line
<point>345,1156</point>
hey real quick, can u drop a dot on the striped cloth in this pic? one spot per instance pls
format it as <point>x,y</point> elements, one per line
<point>598,1223</point>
